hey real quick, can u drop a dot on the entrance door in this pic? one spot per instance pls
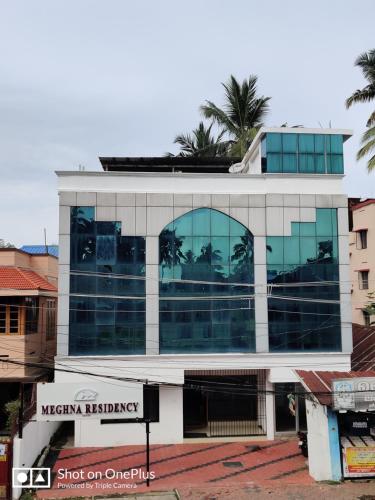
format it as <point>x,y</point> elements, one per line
<point>195,412</point>
<point>290,408</point>
<point>224,406</point>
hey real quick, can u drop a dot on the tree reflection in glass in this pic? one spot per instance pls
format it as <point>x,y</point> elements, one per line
<point>206,261</point>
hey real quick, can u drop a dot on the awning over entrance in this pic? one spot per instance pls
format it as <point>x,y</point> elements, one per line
<point>320,383</point>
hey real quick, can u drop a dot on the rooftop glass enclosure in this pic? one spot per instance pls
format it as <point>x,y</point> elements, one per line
<point>302,153</point>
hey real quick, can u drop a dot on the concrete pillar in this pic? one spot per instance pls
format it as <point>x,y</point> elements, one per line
<point>334,445</point>
<point>270,410</point>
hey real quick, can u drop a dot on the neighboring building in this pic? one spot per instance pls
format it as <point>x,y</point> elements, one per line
<point>41,249</point>
<point>28,301</point>
<point>362,259</point>
<point>340,423</point>
<point>182,272</point>
<point>363,356</point>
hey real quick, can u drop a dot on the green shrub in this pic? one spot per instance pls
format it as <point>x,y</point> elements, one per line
<point>12,408</point>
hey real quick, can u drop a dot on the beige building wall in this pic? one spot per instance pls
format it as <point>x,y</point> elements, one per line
<point>362,259</point>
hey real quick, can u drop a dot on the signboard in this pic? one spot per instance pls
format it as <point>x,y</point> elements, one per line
<point>97,400</point>
<point>354,394</point>
<point>359,461</point>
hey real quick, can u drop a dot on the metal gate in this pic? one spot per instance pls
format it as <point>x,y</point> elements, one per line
<point>5,467</point>
<point>232,402</point>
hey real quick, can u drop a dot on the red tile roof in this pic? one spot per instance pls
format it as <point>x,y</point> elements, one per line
<point>320,383</point>
<point>363,356</point>
<point>16,278</point>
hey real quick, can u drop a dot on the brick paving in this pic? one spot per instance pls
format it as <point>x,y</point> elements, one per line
<point>184,466</point>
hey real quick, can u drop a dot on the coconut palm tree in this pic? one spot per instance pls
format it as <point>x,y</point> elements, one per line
<point>242,114</point>
<point>201,143</point>
<point>366,62</point>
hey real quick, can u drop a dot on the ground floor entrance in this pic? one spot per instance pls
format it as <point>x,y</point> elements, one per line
<point>224,403</point>
<point>290,408</point>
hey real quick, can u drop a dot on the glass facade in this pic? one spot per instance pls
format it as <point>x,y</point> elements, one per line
<point>304,270</point>
<point>206,267</point>
<point>302,153</point>
<point>107,287</point>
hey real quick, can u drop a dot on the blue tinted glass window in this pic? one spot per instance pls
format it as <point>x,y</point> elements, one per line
<point>307,228</point>
<point>289,163</point>
<point>289,142</point>
<point>274,144</point>
<point>324,222</point>
<point>275,250</point>
<point>219,223</point>
<point>82,219</point>
<point>319,143</point>
<point>309,320</point>
<point>320,164</point>
<point>291,250</point>
<point>202,222</point>
<point>274,163</point>
<point>306,143</point>
<point>295,228</point>
<point>336,144</point>
<point>335,164</point>
<point>184,226</point>
<point>306,163</point>
<point>308,248</point>
<point>304,153</point>
<point>216,261</point>
<point>105,267</point>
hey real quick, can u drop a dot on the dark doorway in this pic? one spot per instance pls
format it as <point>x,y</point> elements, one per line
<point>9,391</point>
<point>223,406</point>
<point>290,408</point>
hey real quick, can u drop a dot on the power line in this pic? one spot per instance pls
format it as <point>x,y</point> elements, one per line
<point>174,385</point>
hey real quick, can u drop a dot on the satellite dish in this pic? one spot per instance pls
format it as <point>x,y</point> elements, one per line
<point>236,168</point>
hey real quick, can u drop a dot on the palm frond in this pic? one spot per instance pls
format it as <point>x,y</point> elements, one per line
<point>366,61</point>
<point>243,110</point>
<point>368,145</point>
<point>366,94</point>
<point>213,112</point>
<point>371,120</point>
<point>202,143</point>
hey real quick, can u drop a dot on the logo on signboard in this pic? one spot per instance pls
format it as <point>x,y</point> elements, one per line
<point>31,477</point>
<point>354,394</point>
<point>86,395</point>
<point>343,394</point>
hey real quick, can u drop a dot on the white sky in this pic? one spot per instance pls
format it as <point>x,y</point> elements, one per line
<point>82,78</point>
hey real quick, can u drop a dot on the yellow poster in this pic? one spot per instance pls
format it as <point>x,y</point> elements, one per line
<point>360,461</point>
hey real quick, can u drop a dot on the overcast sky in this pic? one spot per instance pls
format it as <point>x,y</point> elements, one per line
<point>82,78</point>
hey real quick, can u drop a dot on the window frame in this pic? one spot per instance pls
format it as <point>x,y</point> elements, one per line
<point>363,281</point>
<point>366,318</point>
<point>6,330</point>
<point>50,319</point>
<point>361,239</point>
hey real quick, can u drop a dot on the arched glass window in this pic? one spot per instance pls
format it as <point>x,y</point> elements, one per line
<point>206,284</point>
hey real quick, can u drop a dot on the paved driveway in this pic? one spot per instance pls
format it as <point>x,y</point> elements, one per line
<point>104,471</point>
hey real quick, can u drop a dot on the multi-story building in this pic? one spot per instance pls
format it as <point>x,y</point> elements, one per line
<point>362,259</point>
<point>214,280</point>
<point>28,301</point>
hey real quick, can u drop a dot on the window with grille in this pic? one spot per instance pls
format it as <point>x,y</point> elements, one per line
<point>363,280</point>
<point>362,239</point>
